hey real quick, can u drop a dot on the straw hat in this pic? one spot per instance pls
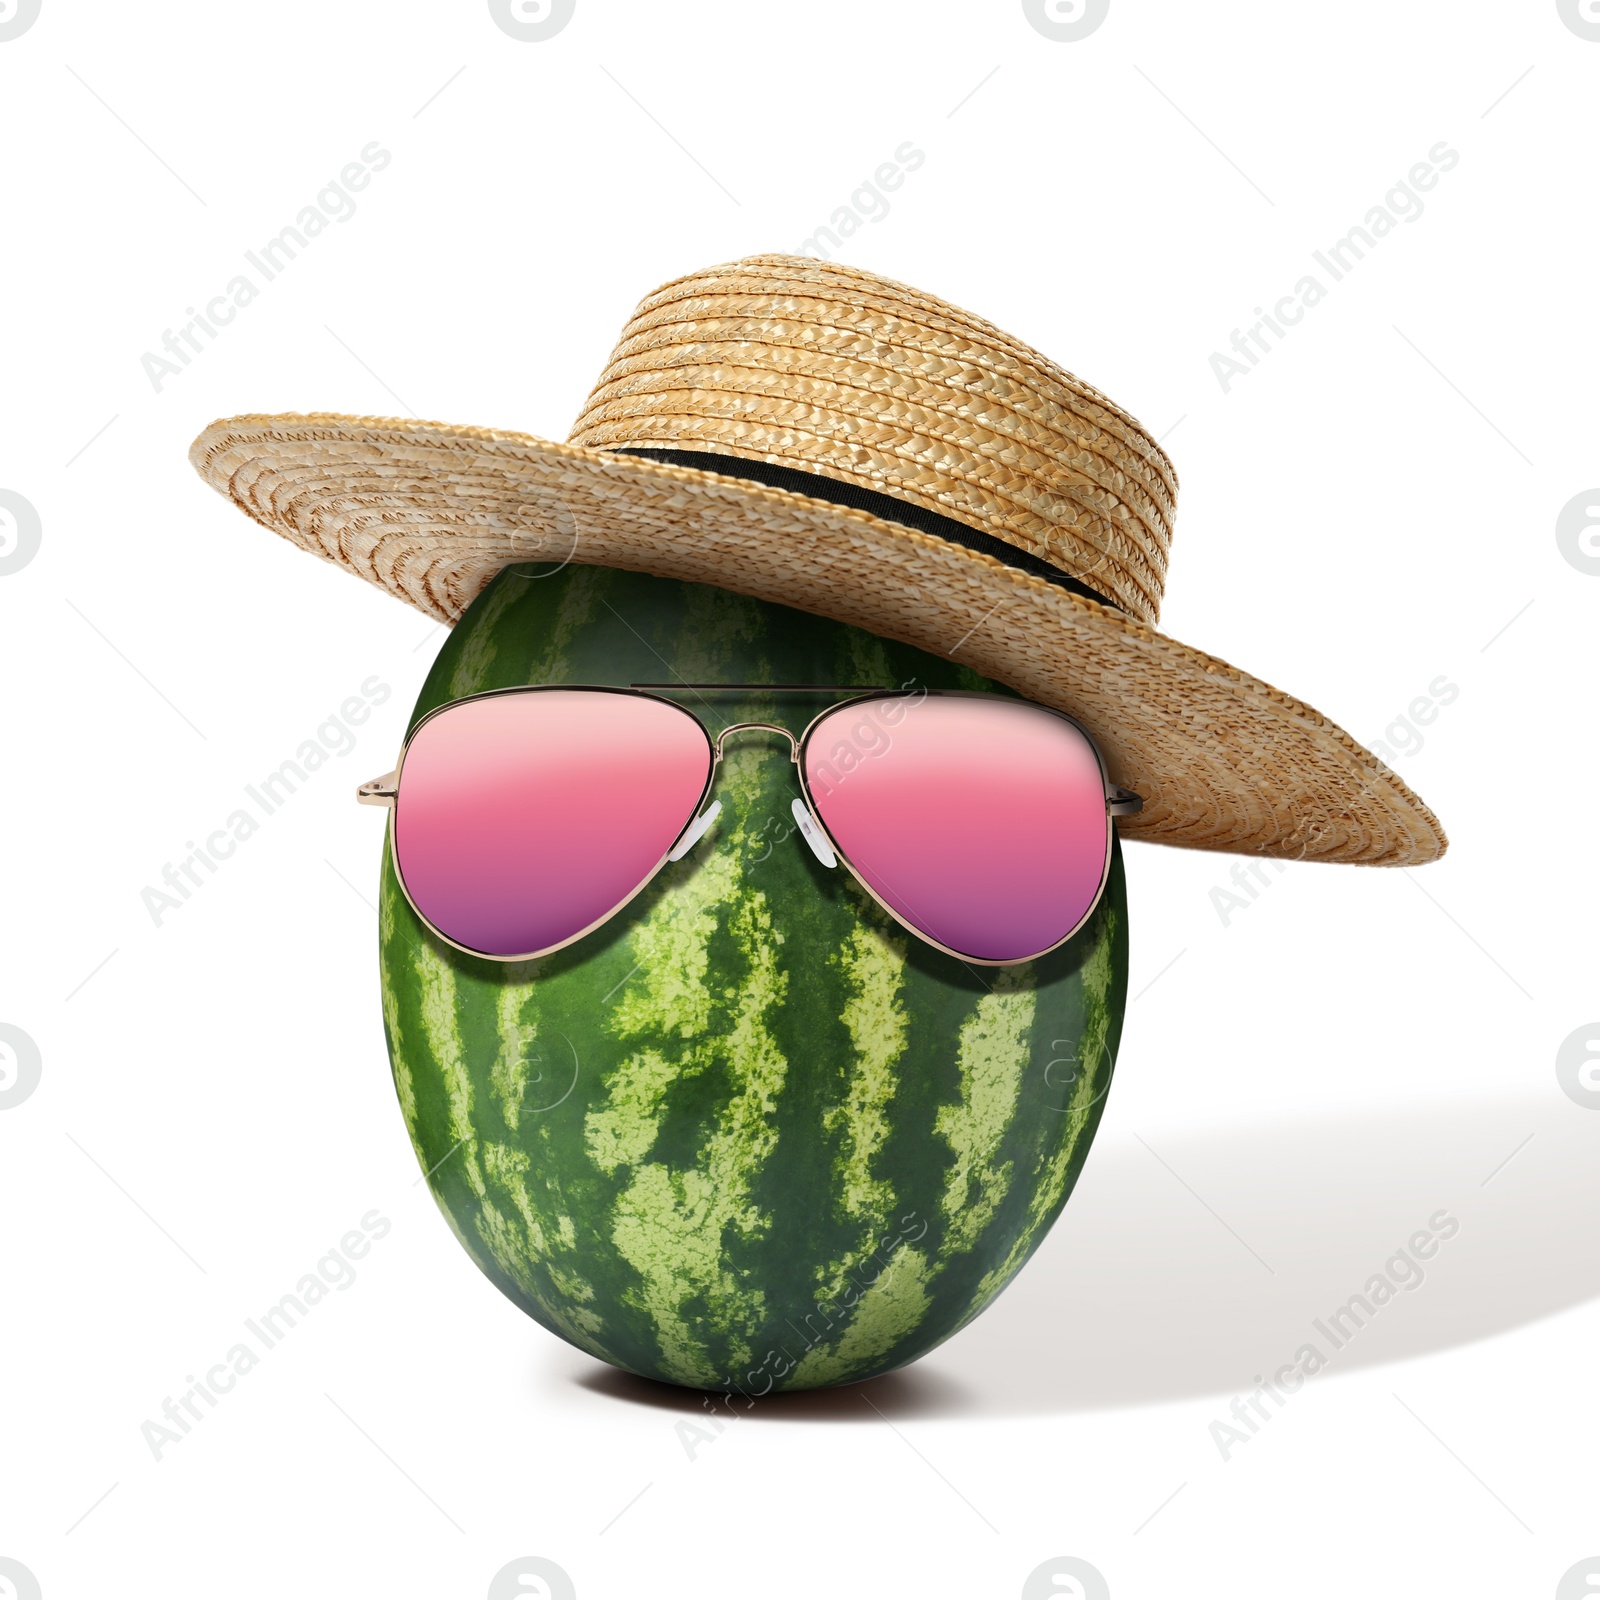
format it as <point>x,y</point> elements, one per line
<point>822,437</point>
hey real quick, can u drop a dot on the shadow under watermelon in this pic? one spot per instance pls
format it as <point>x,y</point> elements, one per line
<point>1184,1268</point>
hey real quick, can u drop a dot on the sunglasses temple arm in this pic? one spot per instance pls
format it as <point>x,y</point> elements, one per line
<point>1124,803</point>
<point>377,791</point>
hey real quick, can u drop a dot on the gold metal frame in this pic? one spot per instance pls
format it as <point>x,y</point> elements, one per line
<point>385,791</point>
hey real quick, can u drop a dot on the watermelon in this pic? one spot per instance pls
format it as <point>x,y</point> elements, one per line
<point>749,1135</point>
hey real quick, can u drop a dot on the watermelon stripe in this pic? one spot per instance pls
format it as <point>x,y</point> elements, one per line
<point>888,1312</point>
<point>517,1021</point>
<point>390,903</point>
<point>1093,1056</point>
<point>437,981</point>
<point>995,1048</point>
<point>670,1225</point>
<point>873,964</point>
<point>475,663</point>
<point>875,1016</point>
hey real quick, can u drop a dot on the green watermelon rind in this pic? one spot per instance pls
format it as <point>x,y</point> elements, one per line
<point>681,1145</point>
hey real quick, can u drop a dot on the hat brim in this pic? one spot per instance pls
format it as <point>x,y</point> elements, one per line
<point>431,512</point>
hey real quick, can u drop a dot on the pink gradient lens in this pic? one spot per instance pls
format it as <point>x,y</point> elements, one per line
<point>524,819</point>
<point>979,821</point>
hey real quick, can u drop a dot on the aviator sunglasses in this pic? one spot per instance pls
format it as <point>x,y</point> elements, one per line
<point>525,818</point>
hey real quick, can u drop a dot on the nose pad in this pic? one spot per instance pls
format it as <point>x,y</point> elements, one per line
<point>696,832</point>
<point>813,835</point>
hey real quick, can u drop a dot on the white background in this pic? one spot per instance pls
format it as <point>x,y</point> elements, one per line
<point>1300,1088</point>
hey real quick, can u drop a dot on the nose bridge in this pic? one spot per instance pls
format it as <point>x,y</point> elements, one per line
<point>759,727</point>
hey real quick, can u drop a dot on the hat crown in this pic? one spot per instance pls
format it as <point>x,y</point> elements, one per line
<point>824,368</point>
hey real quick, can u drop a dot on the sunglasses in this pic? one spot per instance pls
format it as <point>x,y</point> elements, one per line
<point>525,818</point>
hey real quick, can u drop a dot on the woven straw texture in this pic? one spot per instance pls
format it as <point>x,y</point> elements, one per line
<point>828,369</point>
<point>834,371</point>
